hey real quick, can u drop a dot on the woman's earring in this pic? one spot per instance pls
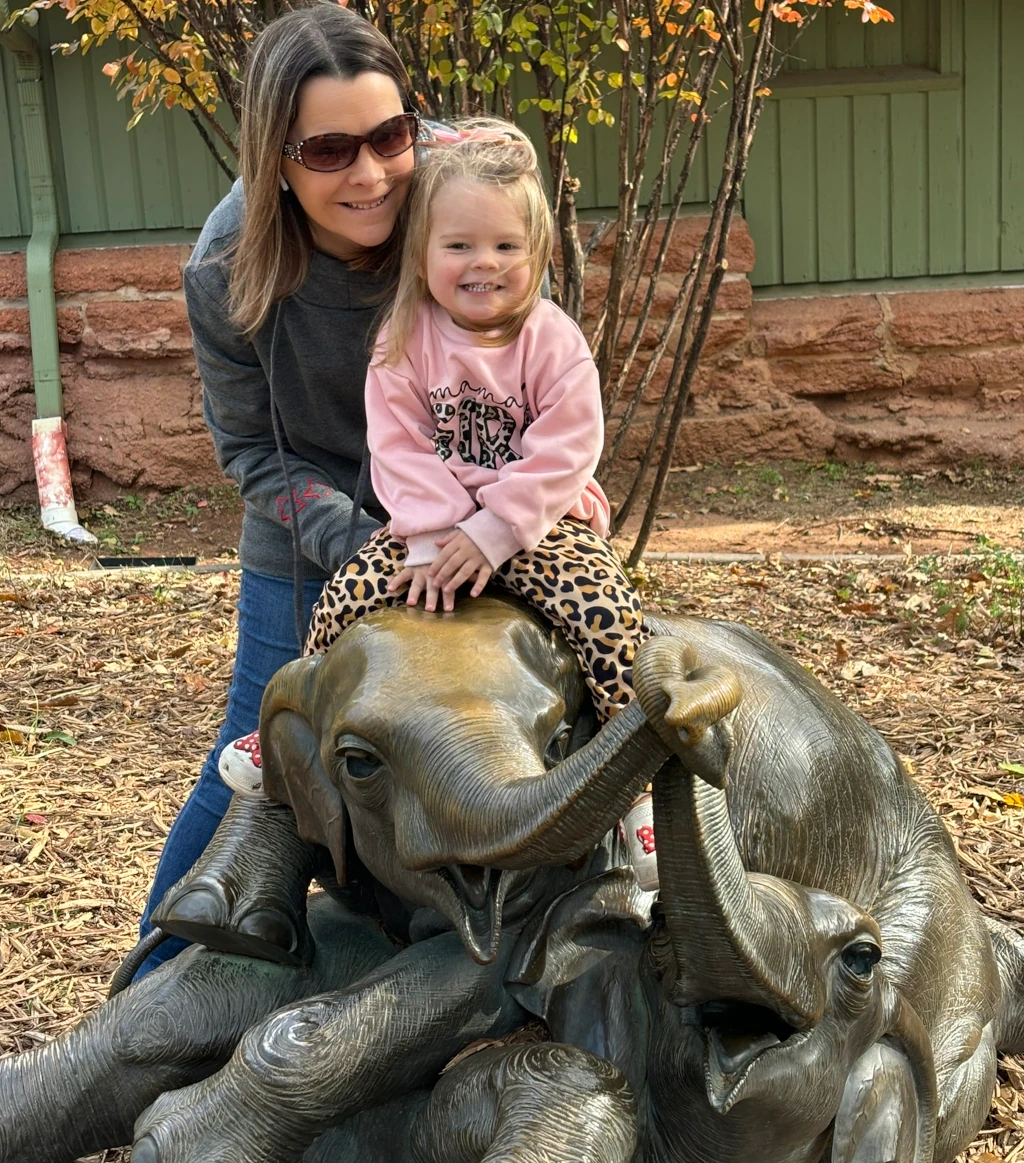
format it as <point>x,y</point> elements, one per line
<point>284,184</point>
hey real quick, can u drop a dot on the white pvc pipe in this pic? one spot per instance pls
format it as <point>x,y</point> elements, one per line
<point>53,478</point>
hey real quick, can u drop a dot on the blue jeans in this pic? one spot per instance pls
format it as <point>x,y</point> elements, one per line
<point>266,641</point>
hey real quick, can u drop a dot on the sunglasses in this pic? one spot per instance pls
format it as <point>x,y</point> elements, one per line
<point>328,152</point>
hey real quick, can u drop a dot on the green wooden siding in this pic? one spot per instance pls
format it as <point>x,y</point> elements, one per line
<point>885,151</point>
<point>14,207</point>
<point>159,176</point>
<point>927,179</point>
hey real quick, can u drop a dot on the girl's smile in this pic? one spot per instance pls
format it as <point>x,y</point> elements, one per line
<point>478,261</point>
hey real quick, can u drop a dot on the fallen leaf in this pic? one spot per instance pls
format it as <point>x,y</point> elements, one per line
<point>1012,768</point>
<point>37,847</point>
<point>9,735</point>
<point>59,737</point>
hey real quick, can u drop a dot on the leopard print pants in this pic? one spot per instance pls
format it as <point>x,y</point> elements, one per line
<point>573,577</point>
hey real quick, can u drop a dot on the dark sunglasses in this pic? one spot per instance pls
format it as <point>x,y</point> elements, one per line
<point>337,151</point>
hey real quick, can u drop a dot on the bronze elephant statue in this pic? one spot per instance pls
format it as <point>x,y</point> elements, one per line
<point>814,979</point>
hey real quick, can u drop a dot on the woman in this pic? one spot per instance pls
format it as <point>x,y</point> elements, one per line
<point>285,289</point>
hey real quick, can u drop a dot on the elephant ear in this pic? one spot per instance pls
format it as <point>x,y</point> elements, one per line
<point>293,769</point>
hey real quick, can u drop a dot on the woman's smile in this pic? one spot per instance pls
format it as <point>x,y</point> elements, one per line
<point>353,209</point>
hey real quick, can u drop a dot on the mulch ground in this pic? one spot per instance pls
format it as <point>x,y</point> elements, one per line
<point>113,686</point>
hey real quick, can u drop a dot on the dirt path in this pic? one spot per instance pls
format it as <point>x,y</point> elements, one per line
<point>771,509</point>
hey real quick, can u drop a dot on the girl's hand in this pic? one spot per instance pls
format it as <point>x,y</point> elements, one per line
<point>458,561</point>
<point>419,581</point>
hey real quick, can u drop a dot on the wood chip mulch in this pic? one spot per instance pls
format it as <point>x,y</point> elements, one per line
<point>114,684</point>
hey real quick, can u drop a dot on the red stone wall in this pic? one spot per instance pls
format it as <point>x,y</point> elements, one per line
<point>909,379</point>
<point>132,399</point>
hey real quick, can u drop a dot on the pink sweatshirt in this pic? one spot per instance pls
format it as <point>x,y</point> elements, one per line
<point>501,442</point>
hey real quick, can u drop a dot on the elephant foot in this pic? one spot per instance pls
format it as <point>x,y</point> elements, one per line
<point>203,1123</point>
<point>247,893</point>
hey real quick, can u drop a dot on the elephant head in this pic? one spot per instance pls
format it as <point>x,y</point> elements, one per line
<point>460,748</point>
<point>783,985</point>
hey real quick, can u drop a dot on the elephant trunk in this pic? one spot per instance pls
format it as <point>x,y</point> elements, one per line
<point>558,815</point>
<point>735,936</point>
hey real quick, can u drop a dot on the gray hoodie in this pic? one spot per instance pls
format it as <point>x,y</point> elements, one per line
<point>324,333</point>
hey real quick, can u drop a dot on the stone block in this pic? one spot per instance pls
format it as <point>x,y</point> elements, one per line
<point>70,325</point>
<point>832,377</point>
<point>138,328</point>
<point>147,268</point>
<point>12,276</point>
<point>725,332</point>
<point>142,430</point>
<point>799,432</point>
<point>943,370</point>
<point>687,235</point>
<point>825,326</point>
<point>14,330</point>
<point>796,432</point>
<point>735,293</point>
<point>958,318</point>
<point>17,408</point>
<point>933,441</point>
<point>746,384</point>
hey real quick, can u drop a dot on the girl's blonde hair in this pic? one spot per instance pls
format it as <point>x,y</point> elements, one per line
<point>270,259</point>
<point>494,153</point>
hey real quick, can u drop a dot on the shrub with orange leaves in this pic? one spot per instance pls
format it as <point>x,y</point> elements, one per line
<point>652,72</point>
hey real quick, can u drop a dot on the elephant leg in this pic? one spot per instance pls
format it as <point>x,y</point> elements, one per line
<point>381,1134</point>
<point>1008,947</point>
<point>247,892</point>
<point>306,1069</point>
<point>83,1091</point>
<point>965,1099</point>
<point>544,1103</point>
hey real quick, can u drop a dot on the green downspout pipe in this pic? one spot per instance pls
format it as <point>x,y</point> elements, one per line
<point>49,448</point>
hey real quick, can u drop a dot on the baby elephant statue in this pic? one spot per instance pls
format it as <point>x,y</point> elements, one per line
<point>814,981</point>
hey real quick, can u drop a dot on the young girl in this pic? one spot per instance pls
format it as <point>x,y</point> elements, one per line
<point>484,424</point>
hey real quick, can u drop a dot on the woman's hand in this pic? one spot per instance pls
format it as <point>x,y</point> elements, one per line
<point>458,561</point>
<point>419,581</point>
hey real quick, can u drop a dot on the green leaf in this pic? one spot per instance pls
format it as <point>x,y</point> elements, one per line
<point>524,105</point>
<point>70,740</point>
<point>1012,768</point>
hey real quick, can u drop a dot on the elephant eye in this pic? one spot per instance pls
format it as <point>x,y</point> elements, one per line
<point>861,957</point>
<point>360,762</point>
<point>558,745</point>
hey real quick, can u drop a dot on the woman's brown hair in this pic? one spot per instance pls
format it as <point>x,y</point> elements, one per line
<point>271,257</point>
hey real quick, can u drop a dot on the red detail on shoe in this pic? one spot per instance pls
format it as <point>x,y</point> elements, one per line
<point>646,837</point>
<point>251,745</point>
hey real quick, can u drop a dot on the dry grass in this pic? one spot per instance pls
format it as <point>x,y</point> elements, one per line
<point>114,684</point>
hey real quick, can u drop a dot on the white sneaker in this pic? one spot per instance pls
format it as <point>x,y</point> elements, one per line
<point>637,831</point>
<point>241,766</point>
